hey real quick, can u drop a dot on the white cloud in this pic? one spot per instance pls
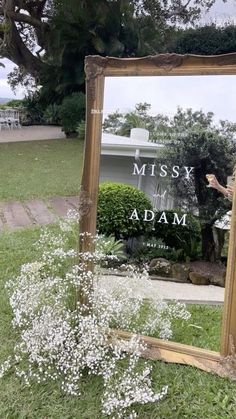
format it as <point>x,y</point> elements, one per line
<point>209,93</point>
<point>221,12</point>
<point>6,92</point>
<point>5,89</point>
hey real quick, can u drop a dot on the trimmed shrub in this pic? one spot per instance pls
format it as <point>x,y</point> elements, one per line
<point>72,112</point>
<point>185,238</point>
<point>116,203</point>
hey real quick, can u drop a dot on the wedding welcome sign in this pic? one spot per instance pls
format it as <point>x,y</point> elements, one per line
<point>159,131</point>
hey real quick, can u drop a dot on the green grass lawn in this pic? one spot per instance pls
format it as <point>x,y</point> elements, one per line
<point>40,168</point>
<point>202,330</point>
<point>192,393</point>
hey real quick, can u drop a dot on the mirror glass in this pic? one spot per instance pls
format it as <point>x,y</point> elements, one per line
<point>171,140</point>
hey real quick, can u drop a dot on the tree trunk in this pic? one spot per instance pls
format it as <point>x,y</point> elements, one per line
<point>22,56</point>
<point>219,238</point>
<point>208,245</point>
<point>14,47</point>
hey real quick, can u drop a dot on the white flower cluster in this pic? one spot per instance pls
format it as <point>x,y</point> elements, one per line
<point>126,384</point>
<point>72,219</point>
<point>6,365</point>
<point>65,320</point>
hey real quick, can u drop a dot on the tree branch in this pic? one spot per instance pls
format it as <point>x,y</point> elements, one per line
<point>17,14</point>
<point>186,4</point>
<point>22,17</point>
<point>18,52</point>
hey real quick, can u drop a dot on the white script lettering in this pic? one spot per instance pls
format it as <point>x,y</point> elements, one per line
<point>163,171</point>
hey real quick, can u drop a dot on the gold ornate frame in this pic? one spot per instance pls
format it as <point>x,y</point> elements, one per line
<point>96,69</point>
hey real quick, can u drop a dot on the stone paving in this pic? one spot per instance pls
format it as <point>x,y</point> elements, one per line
<point>31,133</point>
<point>188,293</point>
<point>16,214</point>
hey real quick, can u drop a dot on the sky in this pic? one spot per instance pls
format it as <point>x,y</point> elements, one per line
<point>208,93</point>
<point>220,13</point>
<point>5,89</point>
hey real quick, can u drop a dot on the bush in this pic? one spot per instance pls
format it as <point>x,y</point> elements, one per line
<point>115,205</point>
<point>109,246</point>
<point>81,130</point>
<point>72,112</point>
<point>52,114</point>
<point>153,248</point>
<point>185,238</point>
<point>14,103</point>
<point>34,109</point>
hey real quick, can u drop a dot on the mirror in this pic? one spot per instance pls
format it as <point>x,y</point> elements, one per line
<point>165,127</point>
<point>164,136</point>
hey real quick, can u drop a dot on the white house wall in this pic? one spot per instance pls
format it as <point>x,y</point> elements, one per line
<point>120,168</point>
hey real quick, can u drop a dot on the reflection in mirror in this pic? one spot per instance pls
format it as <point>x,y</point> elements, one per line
<point>167,154</point>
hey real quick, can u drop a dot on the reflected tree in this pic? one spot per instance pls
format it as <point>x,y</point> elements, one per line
<point>209,148</point>
<point>193,139</point>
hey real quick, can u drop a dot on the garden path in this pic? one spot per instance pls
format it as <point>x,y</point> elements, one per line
<point>168,290</point>
<point>17,214</point>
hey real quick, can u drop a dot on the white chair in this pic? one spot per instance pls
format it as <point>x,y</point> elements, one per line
<point>17,119</point>
<point>4,123</point>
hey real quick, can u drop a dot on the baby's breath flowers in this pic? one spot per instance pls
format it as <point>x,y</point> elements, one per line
<point>61,339</point>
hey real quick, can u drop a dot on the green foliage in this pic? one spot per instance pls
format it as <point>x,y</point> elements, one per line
<point>14,103</point>
<point>34,109</point>
<point>72,112</point>
<point>40,169</point>
<point>122,123</point>
<point>81,130</point>
<point>115,205</point>
<point>65,31</point>
<point>192,139</point>
<point>151,248</point>
<point>100,27</point>
<point>109,246</point>
<point>209,149</point>
<point>206,40</point>
<point>184,239</point>
<point>186,398</point>
<point>198,330</point>
<point>75,29</point>
<point>113,123</point>
<point>51,114</point>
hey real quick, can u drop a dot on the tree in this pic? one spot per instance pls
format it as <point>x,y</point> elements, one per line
<point>23,26</point>
<point>199,143</point>
<point>206,40</point>
<point>48,39</point>
<point>121,124</point>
